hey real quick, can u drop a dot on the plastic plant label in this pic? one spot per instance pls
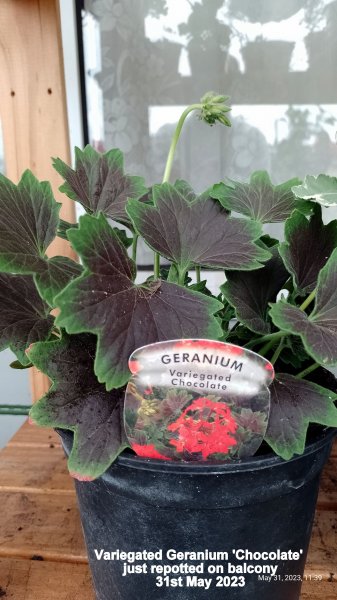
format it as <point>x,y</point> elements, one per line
<point>197,400</point>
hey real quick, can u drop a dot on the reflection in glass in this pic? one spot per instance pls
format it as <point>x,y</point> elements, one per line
<point>146,59</point>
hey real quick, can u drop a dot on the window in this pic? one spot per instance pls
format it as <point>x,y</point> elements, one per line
<point>146,59</point>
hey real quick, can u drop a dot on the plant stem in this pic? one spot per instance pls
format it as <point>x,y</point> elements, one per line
<point>169,163</point>
<point>268,346</point>
<point>272,337</point>
<point>265,338</point>
<point>308,370</point>
<point>197,274</point>
<point>308,300</point>
<point>181,277</point>
<point>134,247</point>
<point>15,406</point>
<point>15,413</point>
<point>156,268</point>
<point>175,139</point>
<point>14,409</point>
<point>277,351</point>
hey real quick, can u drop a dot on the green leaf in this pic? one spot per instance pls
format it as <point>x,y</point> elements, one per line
<point>307,247</point>
<point>240,335</point>
<point>59,271</point>
<point>16,364</point>
<point>24,317</point>
<point>126,241</point>
<point>201,287</point>
<point>294,404</point>
<point>28,223</point>
<point>64,226</point>
<point>77,401</point>
<point>321,189</point>
<point>268,241</point>
<point>250,293</point>
<point>99,183</point>
<point>198,231</point>
<point>259,199</point>
<point>318,331</point>
<point>125,316</point>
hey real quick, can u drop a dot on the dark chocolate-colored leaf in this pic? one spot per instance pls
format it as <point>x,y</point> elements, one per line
<point>259,199</point>
<point>24,317</point>
<point>184,188</point>
<point>250,293</point>
<point>196,233</point>
<point>318,331</point>
<point>63,228</point>
<point>294,355</point>
<point>321,189</point>
<point>294,404</point>
<point>308,245</point>
<point>77,401</point>
<point>28,223</point>
<point>99,183</point>
<point>59,270</point>
<point>125,316</point>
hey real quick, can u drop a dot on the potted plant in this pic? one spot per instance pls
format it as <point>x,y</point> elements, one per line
<point>261,53</point>
<point>278,298</point>
<point>207,37</point>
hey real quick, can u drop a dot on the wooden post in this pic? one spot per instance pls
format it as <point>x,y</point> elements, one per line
<point>33,105</point>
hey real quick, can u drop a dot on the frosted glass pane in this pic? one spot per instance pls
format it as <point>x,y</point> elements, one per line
<point>147,59</point>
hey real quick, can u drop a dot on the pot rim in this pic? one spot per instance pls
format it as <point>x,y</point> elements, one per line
<point>254,463</point>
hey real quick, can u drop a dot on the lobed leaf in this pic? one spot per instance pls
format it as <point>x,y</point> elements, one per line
<point>259,199</point>
<point>125,316</point>
<point>250,293</point>
<point>318,331</point>
<point>24,317</point>
<point>294,404</point>
<point>16,364</point>
<point>126,241</point>
<point>307,247</point>
<point>58,272</point>
<point>63,228</point>
<point>321,189</point>
<point>77,401</point>
<point>294,354</point>
<point>28,223</point>
<point>98,182</point>
<point>190,230</point>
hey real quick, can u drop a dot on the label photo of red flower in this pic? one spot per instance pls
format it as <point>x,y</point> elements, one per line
<point>196,400</point>
<point>205,427</point>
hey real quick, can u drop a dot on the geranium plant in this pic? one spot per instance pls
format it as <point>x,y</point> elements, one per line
<point>103,315</point>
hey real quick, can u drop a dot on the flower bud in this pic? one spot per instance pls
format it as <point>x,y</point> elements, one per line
<point>213,109</point>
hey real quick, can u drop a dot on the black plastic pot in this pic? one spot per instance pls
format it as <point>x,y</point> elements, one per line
<point>261,504</point>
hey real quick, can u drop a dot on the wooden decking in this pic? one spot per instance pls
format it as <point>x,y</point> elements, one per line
<point>42,553</point>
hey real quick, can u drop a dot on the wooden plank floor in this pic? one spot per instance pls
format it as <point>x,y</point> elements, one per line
<point>42,553</point>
